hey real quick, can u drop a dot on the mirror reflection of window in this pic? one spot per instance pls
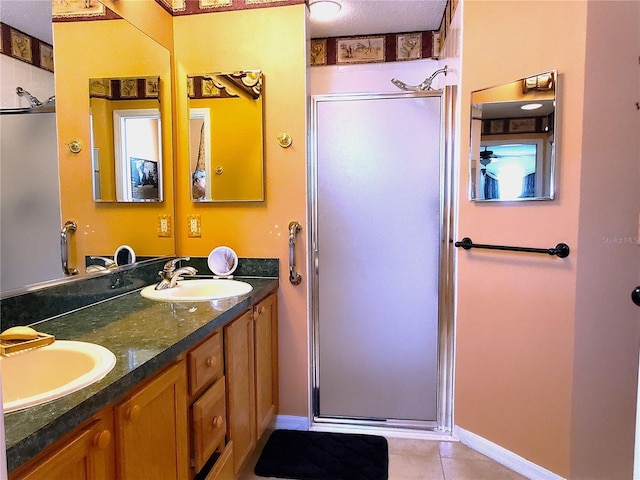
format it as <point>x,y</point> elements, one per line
<point>138,155</point>
<point>509,170</point>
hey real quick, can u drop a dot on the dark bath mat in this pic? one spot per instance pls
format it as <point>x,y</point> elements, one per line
<point>306,455</point>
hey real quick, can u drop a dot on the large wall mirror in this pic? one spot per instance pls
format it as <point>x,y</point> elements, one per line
<point>39,266</point>
<point>513,138</point>
<point>226,136</point>
<point>126,139</point>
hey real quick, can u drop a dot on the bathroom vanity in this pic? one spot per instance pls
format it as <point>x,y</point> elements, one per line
<point>194,386</point>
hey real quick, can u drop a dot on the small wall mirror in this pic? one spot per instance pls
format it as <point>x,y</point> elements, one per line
<point>126,139</point>
<point>512,148</point>
<point>124,255</point>
<point>222,261</point>
<point>226,136</point>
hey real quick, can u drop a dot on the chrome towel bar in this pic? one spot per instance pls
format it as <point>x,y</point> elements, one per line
<point>561,250</point>
<point>294,277</point>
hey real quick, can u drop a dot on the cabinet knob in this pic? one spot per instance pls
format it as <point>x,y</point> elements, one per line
<point>217,421</point>
<point>102,439</point>
<point>133,413</point>
<point>210,361</point>
<point>260,310</point>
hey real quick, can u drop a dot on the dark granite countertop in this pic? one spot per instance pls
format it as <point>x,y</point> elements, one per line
<point>145,335</point>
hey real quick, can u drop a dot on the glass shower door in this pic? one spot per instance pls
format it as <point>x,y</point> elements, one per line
<point>376,186</point>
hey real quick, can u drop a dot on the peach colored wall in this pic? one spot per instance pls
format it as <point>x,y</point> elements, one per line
<point>547,349</point>
<point>608,268</point>
<point>102,227</point>
<point>515,312</point>
<point>273,40</point>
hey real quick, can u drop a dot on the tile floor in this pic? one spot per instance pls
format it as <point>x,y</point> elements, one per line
<point>424,460</point>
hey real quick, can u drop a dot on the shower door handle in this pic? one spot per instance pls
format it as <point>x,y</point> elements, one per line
<point>69,226</point>
<point>635,295</point>
<point>294,277</point>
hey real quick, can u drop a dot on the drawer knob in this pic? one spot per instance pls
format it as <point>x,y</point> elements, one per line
<point>133,413</point>
<point>217,421</point>
<point>102,439</point>
<point>210,361</point>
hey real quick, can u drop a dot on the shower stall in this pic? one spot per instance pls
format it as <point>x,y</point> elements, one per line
<point>29,194</point>
<point>380,184</point>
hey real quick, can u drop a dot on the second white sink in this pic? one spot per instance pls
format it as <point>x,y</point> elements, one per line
<point>198,290</point>
<point>35,376</point>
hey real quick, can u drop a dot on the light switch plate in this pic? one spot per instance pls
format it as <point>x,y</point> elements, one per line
<point>164,225</point>
<point>194,225</point>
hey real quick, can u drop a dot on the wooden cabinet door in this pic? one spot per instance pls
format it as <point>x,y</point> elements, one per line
<point>223,469</point>
<point>87,454</point>
<point>240,388</point>
<point>152,429</point>
<point>266,361</point>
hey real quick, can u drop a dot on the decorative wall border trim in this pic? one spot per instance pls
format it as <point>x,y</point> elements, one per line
<point>388,47</point>
<point>193,7</point>
<point>24,47</point>
<point>79,11</point>
<point>441,35</point>
<point>503,456</point>
<point>145,88</point>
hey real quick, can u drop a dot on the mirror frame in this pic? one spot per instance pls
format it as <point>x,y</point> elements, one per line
<point>514,129</point>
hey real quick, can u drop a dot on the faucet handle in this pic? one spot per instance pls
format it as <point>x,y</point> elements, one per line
<point>170,266</point>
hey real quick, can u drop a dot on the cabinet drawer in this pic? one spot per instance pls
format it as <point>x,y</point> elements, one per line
<point>205,363</point>
<point>208,416</point>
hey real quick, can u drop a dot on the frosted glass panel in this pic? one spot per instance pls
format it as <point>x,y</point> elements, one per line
<point>378,241</point>
<point>29,201</point>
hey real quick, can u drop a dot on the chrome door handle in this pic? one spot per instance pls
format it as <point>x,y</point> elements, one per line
<point>294,277</point>
<point>635,295</point>
<point>69,226</point>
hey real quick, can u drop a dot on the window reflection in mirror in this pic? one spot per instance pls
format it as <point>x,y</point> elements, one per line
<point>126,140</point>
<point>512,154</point>
<point>226,136</point>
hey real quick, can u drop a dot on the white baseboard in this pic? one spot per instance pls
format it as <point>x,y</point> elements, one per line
<point>290,422</point>
<point>503,456</point>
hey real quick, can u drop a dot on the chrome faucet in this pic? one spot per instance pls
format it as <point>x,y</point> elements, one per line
<point>181,271</point>
<point>170,275</point>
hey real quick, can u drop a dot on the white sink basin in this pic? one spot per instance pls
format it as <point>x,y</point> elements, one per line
<point>198,290</point>
<point>36,376</point>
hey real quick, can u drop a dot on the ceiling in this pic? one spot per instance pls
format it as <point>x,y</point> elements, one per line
<point>366,17</point>
<point>29,16</point>
<point>358,17</point>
